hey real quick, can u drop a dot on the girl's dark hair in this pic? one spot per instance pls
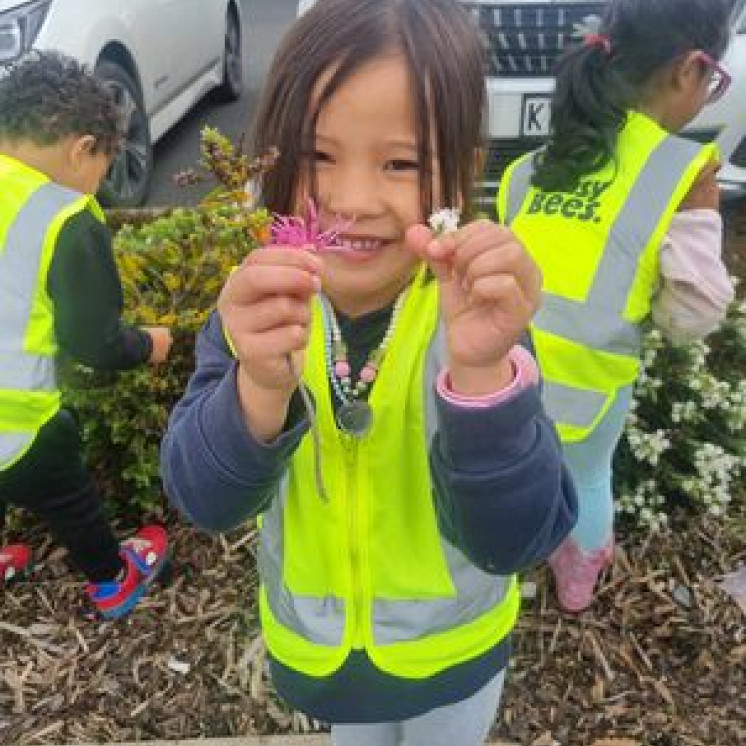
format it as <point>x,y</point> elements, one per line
<point>596,87</point>
<point>443,53</point>
<point>47,96</point>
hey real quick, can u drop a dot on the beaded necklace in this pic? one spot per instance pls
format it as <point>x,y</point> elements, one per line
<point>354,415</point>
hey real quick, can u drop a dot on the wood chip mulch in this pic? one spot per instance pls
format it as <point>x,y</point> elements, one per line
<point>660,660</point>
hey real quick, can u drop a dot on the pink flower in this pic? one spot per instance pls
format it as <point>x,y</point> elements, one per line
<point>292,230</point>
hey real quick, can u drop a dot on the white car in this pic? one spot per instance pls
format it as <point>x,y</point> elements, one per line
<point>725,120</point>
<point>523,40</point>
<point>160,57</point>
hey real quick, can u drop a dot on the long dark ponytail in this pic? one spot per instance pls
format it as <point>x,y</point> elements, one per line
<point>599,82</point>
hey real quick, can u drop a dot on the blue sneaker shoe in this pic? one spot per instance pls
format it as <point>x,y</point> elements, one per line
<point>144,555</point>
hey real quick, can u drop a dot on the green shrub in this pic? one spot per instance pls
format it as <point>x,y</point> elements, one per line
<point>172,270</point>
<point>685,439</point>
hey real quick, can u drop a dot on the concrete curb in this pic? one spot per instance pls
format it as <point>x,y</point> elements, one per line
<point>314,740</point>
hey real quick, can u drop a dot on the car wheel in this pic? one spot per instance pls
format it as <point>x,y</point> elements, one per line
<point>126,184</point>
<point>232,86</point>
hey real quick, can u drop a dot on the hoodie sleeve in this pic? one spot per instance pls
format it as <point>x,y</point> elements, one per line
<point>502,492</point>
<point>695,289</point>
<point>213,470</point>
<point>83,283</point>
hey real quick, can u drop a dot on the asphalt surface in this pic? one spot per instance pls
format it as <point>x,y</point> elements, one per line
<point>264,23</point>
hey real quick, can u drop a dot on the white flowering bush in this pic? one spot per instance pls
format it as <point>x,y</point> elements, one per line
<point>685,439</point>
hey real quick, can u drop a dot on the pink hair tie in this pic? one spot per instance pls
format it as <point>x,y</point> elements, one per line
<point>598,40</point>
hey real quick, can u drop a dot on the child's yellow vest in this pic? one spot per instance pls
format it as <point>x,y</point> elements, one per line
<point>597,248</point>
<point>32,212</point>
<point>369,569</point>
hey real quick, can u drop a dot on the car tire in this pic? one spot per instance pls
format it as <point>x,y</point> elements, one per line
<point>232,86</point>
<point>128,180</point>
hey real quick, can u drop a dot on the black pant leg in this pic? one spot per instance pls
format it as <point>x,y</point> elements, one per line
<point>52,482</point>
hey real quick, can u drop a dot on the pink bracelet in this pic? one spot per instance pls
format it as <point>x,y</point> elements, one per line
<point>525,374</point>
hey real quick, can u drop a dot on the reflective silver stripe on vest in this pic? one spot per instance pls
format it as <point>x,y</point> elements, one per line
<point>602,330</point>
<point>19,273</point>
<point>23,372</point>
<point>477,592</point>
<point>637,221</point>
<point>11,444</point>
<point>561,401</point>
<point>321,620</point>
<point>435,361</point>
<point>518,186</point>
<point>598,322</point>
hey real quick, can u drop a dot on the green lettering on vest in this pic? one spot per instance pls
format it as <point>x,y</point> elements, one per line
<point>553,204</point>
<point>571,207</point>
<point>590,212</point>
<point>598,188</point>
<point>536,203</point>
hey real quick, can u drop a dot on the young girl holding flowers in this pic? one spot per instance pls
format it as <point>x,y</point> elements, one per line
<point>388,597</point>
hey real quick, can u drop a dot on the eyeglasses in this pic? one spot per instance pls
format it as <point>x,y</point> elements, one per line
<point>719,78</point>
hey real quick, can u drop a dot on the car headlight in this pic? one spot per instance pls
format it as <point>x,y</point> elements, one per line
<point>19,27</point>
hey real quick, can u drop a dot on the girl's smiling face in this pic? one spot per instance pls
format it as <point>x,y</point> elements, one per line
<point>367,169</point>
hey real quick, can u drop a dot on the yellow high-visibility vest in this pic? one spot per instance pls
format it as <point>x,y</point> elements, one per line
<point>369,569</point>
<point>32,211</point>
<point>598,249</point>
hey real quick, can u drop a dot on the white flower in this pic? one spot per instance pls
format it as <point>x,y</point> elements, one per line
<point>693,390</point>
<point>445,220</point>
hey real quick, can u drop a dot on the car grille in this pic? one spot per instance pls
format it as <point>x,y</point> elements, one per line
<point>501,153</point>
<point>526,39</point>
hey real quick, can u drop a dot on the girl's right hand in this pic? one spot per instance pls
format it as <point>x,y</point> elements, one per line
<point>265,307</point>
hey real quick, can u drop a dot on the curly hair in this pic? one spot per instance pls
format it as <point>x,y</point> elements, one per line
<point>46,97</point>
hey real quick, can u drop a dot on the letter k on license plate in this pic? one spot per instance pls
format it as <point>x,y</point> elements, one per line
<point>535,117</point>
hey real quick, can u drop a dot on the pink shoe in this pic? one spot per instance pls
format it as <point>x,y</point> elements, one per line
<point>15,561</point>
<point>576,573</point>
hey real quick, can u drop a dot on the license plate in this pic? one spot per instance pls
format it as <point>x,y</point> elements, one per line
<point>536,115</point>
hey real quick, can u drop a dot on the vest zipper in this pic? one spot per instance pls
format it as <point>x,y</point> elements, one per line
<point>358,596</point>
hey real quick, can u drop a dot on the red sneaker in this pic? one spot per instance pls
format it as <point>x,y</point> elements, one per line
<point>144,555</point>
<point>576,573</point>
<point>15,560</point>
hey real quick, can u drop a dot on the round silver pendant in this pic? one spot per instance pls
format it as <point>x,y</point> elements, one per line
<point>355,418</point>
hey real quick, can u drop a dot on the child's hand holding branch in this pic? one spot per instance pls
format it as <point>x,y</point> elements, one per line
<point>490,288</point>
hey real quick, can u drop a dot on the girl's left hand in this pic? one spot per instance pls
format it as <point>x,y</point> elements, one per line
<point>489,289</point>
